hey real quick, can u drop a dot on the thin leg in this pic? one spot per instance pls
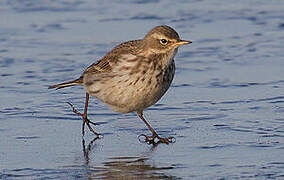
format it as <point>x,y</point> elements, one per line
<point>84,116</point>
<point>151,139</point>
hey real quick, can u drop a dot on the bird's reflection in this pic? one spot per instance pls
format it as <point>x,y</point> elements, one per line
<point>88,149</point>
<point>124,167</point>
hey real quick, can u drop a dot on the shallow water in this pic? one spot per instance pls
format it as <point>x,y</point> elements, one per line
<point>225,107</point>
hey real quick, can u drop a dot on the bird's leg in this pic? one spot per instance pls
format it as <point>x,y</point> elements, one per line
<point>151,139</point>
<point>84,116</point>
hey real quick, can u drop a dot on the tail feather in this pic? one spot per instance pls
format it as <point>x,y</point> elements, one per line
<point>67,84</point>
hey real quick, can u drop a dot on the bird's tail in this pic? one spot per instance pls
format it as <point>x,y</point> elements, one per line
<point>67,84</point>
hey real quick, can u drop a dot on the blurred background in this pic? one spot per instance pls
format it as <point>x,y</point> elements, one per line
<point>225,106</point>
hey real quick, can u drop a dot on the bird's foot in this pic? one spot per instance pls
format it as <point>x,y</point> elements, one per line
<point>85,121</point>
<point>88,122</point>
<point>156,139</point>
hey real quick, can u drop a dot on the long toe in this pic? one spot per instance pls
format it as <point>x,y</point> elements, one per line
<point>91,129</point>
<point>155,139</point>
<point>166,140</point>
<point>91,122</point>
<point>147,139</point>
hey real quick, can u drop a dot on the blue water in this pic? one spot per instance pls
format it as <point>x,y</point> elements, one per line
<point>225,107</point>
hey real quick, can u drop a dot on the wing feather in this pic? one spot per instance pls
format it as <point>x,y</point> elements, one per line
<point>106,63</point>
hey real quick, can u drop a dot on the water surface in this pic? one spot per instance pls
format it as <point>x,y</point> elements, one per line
<point>225,107</point>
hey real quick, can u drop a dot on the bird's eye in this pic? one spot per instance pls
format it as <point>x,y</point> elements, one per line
<point>163,41</point>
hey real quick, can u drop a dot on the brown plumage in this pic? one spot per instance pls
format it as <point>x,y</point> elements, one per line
<point>132,76</point>
<point>76,82</point>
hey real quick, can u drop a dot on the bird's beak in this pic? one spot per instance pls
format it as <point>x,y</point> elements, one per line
<point>183,42</point>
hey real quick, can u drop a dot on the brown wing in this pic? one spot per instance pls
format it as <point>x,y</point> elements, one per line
<point>106,63</point>
<point>102,65</point>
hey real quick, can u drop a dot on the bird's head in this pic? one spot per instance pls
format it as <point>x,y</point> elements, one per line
<point>163,39</point>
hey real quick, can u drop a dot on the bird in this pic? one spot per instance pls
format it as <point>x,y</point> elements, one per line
<point>133,76</point>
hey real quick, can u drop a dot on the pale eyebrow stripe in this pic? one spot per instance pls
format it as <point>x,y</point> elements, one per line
<point>157,36</point>
<point>160,36</point>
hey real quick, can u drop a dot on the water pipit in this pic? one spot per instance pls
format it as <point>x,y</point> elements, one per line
<point>132,77</point>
